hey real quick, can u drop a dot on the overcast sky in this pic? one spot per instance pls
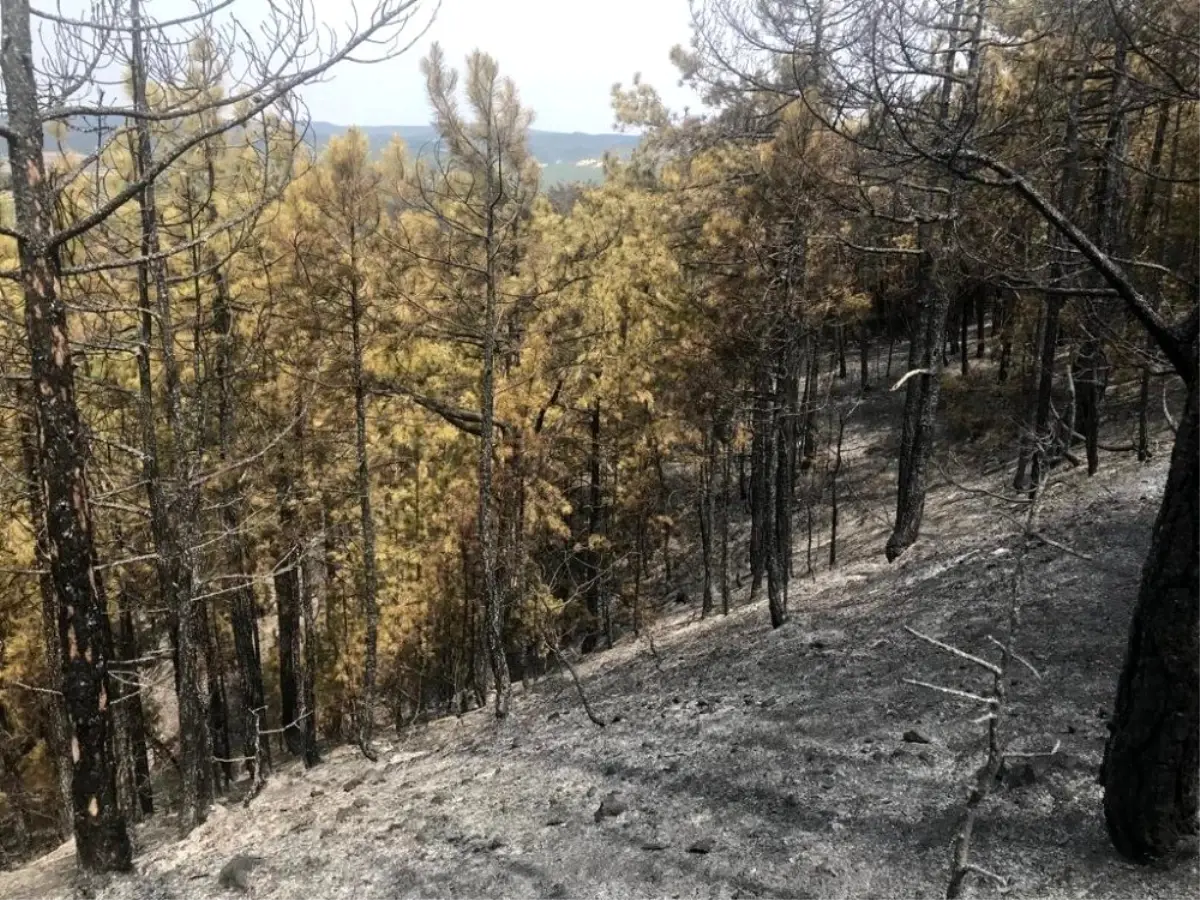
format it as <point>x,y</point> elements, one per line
<point>564,56</point>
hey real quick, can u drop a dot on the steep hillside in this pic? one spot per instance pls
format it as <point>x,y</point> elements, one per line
<point>741,762</point>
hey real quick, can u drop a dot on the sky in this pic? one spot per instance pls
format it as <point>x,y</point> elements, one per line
<point>564,56</point>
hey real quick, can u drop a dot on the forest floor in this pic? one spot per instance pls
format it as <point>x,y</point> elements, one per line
<point>745,762</point>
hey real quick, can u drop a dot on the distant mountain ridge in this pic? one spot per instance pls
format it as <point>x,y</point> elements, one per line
<point>564,155</point>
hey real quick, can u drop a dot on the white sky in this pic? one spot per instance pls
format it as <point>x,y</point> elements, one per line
<point>564,56</point>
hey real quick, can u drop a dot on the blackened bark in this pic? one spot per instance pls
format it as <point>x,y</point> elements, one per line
<point>864,347</point>
<point>218,717</point>
<point>705,509</point>
<point>370,598</point>
<point>590,556</point>
<point>493,631</point>
<point>981,300</point>
<point>920,406</point>
<point>964,321</point>
<point>1038,448</point>
<point>172,513</point>
<point>1006,316</point>
<point>761,454</point>
<point>833,489</point>
<point>785,477</point>
<point>313,576</point>
<point>1089,377</point>
<point>55,710</point>
<point>243,613</point>
<point>726,499</point>
<point>287,599</point>
<point>101,839</point>
<point>128,648</point>
<point>1151,759</point>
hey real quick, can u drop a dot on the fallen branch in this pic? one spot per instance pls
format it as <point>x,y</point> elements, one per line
<point>961,654</point>
<point>587,707</point>
<point>907,375</point>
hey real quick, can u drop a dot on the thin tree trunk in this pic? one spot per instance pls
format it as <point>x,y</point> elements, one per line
<point>964,321</point>
<point>55,710</point>
<point>370,600</point>
<point>707,478</point>
<point>726,499</point>
<point>287,600</point>
<point>493,630</point>
<point>171,513</point>
<point>135,712</point>
<point>920,405</point>
<point>833,489</point>
<point>591,556</point>
<point>981,303</point>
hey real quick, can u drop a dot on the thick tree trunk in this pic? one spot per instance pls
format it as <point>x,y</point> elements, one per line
<point>1151,760</point>
<point>101,839</point>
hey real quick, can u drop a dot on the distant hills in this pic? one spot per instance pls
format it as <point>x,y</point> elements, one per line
<point>564,155</point>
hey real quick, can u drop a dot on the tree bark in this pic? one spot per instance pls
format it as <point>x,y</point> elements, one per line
<point>920,406</point>
<point>493,614</point>
<point>101,839</point>
<point>55,710</point>
<point>1151,759</point>
<point>370,599</point>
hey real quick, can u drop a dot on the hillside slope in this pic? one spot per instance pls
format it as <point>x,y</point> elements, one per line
<point>780,753</point>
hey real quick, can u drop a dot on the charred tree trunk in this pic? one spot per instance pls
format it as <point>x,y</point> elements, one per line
<point>707,481</point>
<point>243,606</point>
<point>101,839</point>
<point>1038,449</point>
<point>920,406</point>
<point>981,303</point>
<point>362,482</point>
<point>724,526</point>
<point>1151,759</point>
<point>964,321</point>
<point>287,600</point>
<point>494,615</point>
<point>1089,388</point>
<point>127,645</point>
<point>55,710</point>
<point>761,452</point>
<point>591,556</point>
<point>171,511</point>
<point>833,489</point>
